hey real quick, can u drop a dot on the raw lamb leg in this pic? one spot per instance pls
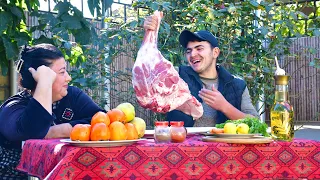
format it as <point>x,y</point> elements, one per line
<point>156,82</point>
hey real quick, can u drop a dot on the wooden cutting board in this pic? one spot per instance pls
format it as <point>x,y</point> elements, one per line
<point>255,140</point>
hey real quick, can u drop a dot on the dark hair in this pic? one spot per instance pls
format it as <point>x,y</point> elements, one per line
<point>35,56</point>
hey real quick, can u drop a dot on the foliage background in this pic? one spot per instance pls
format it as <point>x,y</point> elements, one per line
<point>250,34</point>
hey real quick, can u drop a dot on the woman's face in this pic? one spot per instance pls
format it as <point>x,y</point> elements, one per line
<point>60,85</point>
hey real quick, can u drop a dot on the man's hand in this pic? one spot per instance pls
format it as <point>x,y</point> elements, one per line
<point>217,101</point>
<point>213,98</point>
<point>150,23</point>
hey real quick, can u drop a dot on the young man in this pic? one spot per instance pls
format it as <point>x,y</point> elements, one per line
<point>223,95</point>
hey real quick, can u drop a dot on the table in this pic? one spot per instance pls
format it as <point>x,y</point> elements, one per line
<point>192,159</point>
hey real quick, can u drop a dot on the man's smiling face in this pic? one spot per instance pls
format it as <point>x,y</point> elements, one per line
<point>201,56</point>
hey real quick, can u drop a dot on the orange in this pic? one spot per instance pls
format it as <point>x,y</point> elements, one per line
<point>116,115</point>
<point>100,132</point>
<point>132,132</point>
<point>117,131</point>
<point>100,117</point>
<point>80,132</point>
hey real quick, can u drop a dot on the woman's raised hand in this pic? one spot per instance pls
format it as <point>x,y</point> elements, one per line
<point>43,73</point>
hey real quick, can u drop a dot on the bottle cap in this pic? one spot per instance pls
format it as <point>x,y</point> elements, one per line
<point>177,123</point>
<point>282,79</point>
<point>161,123</point>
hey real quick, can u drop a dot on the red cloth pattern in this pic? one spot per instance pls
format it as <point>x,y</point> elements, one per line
<point>192,159</point>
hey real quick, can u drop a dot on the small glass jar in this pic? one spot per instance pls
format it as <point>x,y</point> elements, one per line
<point>162,132</point>
<point>177,131</point>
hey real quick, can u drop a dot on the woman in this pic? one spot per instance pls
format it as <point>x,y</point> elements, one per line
<point>47,108</point>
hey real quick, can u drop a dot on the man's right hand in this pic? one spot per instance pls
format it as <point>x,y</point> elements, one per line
<point>150,23</point>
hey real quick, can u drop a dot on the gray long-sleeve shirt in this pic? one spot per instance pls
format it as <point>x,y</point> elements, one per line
<point>208,118</point>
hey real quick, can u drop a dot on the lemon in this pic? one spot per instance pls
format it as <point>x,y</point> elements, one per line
<point>243,128</point>
<point>230,128</point>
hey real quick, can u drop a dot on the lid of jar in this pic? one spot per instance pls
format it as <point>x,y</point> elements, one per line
<point>161,123</point>
<point>177,123</point>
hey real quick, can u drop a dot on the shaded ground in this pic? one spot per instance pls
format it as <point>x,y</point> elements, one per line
<point>311,132</point>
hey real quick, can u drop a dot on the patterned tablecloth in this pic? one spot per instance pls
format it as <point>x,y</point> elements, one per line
<point>192,159</point>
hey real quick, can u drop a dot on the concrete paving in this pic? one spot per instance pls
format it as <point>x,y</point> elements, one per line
<point>310,132</point>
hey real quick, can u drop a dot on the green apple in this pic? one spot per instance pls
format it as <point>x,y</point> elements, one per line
<point>128,110</point>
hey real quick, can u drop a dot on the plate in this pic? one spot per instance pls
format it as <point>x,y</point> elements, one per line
<point>100,143</point>
<point>195,130</point>
<point>258,140</point>
<point>149,134</point>
<point>235,136</point>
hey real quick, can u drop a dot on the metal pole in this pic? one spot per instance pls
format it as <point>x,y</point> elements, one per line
<point>13,79</point>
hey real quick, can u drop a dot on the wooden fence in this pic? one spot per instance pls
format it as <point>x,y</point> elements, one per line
<point>304,87</point>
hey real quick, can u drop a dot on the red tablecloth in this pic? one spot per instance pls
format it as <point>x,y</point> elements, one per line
<point>192,159</point>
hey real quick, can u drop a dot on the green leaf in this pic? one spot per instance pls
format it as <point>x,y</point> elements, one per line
<point>154,6</point>
<point>133,24</point>
<point>293,15</point>
<point>81,81</point>
<point>70,22</point>
<point>166,6</point>
<point>32,4</point>
<point>11,48</point>
<point>316,32</point>
<point>108,3</point>
<point>264,30</point>
<point>94,6</point>
<point>43,39</point>
<point>67,45</point>
<point>4,70</point>
<point>17,12</point>
<point>5,21</point>
<point>62,8</point>
<point>254,3</point>
<point>46,18</point>
<point>167,28</point>
<point>40,27</point>
<point>91,5</point>
<point>107,60</point>
<point>83,36</point>
<point>22,38</point>
<point>302,14</point>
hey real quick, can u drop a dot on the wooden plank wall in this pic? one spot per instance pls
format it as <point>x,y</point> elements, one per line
<point>121,85</point>
<point>304,87</point>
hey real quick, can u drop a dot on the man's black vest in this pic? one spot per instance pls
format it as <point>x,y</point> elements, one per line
<point>230,87</point>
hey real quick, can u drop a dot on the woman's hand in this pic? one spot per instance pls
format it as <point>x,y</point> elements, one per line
<point>59,131</point>
<point>43,74</point>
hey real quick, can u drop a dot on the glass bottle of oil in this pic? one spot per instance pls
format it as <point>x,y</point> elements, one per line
<point>281,113</point>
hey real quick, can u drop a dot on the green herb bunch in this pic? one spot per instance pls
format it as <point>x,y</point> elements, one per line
<point>256,127</point>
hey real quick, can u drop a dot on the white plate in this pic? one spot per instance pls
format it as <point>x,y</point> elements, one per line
<point>100,143</point>
<point>149,134</point>
<point>195,130</point>
<point>190,130</point>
